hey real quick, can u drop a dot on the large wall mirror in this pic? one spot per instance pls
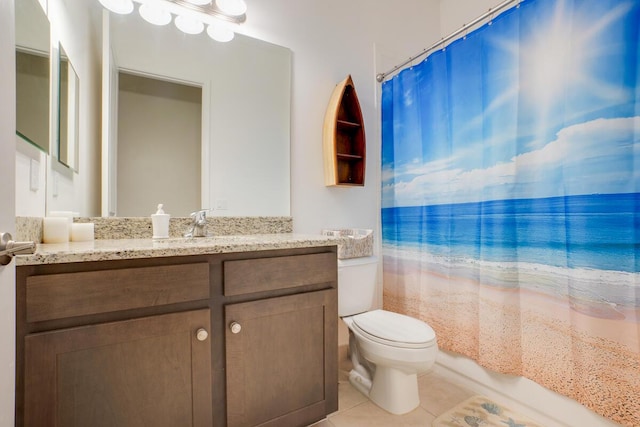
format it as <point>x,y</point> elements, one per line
<point>243,139</point>
<point>33,73</point>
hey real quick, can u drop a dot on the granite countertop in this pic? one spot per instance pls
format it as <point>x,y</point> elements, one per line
<point>103,250</point>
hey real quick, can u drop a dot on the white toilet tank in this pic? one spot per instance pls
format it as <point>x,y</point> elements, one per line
<point>357,279</point>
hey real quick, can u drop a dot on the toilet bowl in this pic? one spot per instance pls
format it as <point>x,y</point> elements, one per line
<point>387,360</point>
<point>388,350</point>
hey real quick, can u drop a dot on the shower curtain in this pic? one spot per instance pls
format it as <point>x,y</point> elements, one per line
<point>511,199</point>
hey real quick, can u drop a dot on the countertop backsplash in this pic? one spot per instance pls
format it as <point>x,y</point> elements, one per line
<point>30,228</point>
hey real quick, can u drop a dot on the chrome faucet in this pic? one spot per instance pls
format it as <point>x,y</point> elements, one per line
<point>199,226</point>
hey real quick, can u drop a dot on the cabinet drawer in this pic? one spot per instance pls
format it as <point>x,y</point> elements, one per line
<point>265,274</point>
<point>56,296</point>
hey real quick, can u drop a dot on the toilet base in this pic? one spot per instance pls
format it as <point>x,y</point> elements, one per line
<point>391,389</point>
<point>394,390</point>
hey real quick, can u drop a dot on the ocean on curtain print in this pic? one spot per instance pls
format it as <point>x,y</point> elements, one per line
<point>511,199</point>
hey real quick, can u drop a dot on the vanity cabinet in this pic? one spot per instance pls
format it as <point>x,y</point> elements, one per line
<point>275,352</point>
<point>279,350</point>
<point>148,371</point>
<point>234,339</point>
<point>113,344</point>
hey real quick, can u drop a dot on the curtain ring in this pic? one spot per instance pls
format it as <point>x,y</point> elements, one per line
<point>424,52</point>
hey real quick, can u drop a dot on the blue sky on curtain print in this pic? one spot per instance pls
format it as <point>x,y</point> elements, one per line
<point>543,102</point>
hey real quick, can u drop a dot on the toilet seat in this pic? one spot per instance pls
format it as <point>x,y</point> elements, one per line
<point>394,329</point>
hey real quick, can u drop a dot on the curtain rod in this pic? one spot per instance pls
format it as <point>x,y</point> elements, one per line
<point>381,76</point>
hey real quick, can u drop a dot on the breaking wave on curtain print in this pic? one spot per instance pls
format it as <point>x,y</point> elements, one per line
<point>511,198</point>
<point>583,246</point>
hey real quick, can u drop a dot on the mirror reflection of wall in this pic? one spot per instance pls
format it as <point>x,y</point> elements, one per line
<point>68,112</point>
<point>32,73</point>
<point>158,151</point>
<point>32,98</point>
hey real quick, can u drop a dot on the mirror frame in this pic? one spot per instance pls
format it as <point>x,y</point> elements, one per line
<point>68,111</point>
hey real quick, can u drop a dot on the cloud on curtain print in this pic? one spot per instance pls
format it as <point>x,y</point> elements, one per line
<point>592,157</point>
<point>567,65</point>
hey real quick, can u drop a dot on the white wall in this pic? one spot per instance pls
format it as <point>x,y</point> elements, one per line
<point>30,199</point>
<point>329,40</point>
<point>456,13</point>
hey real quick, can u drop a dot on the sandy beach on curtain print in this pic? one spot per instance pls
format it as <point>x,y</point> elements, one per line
<point>560,343</point>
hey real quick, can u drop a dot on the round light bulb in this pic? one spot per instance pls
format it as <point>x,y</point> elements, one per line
<point>232,7</point>
<point>122,7</point>
<point>220,33</point>
<point>154,14</point>
<point>189,25</point>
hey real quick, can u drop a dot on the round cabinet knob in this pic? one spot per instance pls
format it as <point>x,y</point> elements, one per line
<point>235,327</point>
<point>202,334</point>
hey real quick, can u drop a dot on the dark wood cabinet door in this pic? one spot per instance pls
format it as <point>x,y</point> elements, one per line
<point>281,365</point>
<point>150,371</point>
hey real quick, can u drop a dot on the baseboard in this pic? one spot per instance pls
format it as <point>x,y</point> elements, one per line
<point>521,394</point>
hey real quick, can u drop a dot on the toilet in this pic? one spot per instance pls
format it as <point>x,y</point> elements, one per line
<point>388,350</point>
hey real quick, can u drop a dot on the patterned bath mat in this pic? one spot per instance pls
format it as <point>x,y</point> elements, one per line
<point>479,411</point>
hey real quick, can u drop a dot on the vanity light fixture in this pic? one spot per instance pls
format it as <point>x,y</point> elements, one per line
<point>191,16</point>
<point>154,13</point>
<point>220,33</point>
<point>122,7</point>
<point>188,24</point>
<point>232,7</point>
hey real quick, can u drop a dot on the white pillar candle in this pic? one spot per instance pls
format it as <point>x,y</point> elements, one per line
<point>55,229</point>
<point>82,232</point>
<point>63,214</point>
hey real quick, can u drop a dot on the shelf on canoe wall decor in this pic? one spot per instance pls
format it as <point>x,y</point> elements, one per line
<point>344,143</point>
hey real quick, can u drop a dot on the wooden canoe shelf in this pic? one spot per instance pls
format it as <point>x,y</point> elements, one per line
<point>344,142</point>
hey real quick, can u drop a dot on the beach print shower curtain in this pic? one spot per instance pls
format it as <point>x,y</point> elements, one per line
<point>511,198</point>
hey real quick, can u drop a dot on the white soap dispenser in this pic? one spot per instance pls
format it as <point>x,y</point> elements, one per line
<point>160,222</point>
